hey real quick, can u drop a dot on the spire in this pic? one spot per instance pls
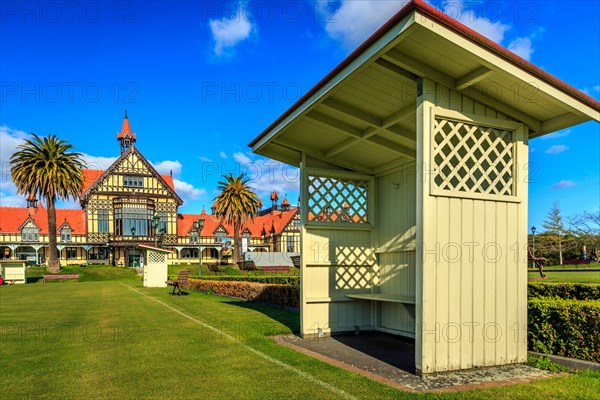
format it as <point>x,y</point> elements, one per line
<point>126,137</point>
<point>285,204</point>
<point>274,200</point>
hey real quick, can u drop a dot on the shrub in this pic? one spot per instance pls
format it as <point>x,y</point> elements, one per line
<point>281,295</point>
<point>574,291</point>
<point>569,328</point>
<point>276,279</point>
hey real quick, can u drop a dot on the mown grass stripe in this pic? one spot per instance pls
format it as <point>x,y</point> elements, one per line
<point>303,374</point>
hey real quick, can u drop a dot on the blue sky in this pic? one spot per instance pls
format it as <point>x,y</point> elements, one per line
<point>201,79</point>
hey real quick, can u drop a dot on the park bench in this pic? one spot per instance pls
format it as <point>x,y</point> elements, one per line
<point>247,266</point>
<point>577,262</point>
<point>537,261</point>
<point>296,261</point>
<point>60,277</point>
<point>276,268</point>
<point>213,268</point>
<point>182,280</point>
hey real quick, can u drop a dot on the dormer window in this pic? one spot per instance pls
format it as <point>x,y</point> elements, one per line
<point>65,234</point>
<point>194,237</point>
<point>30,235</point>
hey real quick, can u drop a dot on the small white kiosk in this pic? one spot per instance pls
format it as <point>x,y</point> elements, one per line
<point>13,271</point>
<point>155,265</point>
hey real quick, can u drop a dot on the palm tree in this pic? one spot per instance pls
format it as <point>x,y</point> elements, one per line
<point>235,205</point>
<point>44,166</point>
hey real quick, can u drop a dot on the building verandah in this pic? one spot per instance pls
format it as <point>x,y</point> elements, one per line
<point>414,188</point>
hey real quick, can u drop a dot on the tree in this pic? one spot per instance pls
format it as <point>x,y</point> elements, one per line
<point>45,167</point>
<point>555,226</point>
<point>235,205</point>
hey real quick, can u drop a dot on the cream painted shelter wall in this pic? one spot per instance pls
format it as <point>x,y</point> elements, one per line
<point>471,262</point>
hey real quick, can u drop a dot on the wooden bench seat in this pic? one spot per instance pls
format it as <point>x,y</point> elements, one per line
<point>247,266</point>
<point>182,280</point>
<point>577,262</point>
<point>59,277</point>
<point>276,268</point>
<point>213,268</point>
<point>383,297</point>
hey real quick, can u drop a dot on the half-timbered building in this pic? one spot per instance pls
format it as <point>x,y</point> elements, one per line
<point>131,203</point>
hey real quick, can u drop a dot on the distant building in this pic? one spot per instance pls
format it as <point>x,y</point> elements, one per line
<point>128,204</point>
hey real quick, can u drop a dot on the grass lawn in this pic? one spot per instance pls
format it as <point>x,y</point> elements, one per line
<point>568,276</point>
<point>115,339</point>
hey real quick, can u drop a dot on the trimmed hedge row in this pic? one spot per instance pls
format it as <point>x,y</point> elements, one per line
<point>281,295</point>
<point>569,328</point>
<point>275,280</point>
<point>573,291</point>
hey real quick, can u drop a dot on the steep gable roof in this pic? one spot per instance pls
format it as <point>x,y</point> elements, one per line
<point>93,178</point>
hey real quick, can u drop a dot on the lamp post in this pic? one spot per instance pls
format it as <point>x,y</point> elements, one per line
<point>198,225</point>
<point>533,245</point>
<point>163,232</point>
<point>246,239</point>
<point>155,220</point>
<point>132,237</point>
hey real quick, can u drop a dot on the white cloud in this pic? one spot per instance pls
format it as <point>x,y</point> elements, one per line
<point>223,155</point>
<point>187,191</point>
<point>268,175</point>
<point>556,149</point>
<point>205,159</point>
<point>522,47</point>
<point>597,88</point>
<point>241,158</point>
<point>354,20</point>
<point>8,200</point>
<point>98,162</point>
<point>565,183</point>
<point>165,167</point>
<point>228,33</point>
<point>10,139</point>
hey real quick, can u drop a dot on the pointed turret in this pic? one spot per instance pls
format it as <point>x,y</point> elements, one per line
<point>126,137</point>
<point>285,204</point>
<point>274,200</point>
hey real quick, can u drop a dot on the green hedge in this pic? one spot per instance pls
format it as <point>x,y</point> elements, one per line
<point>281,295</point>
<point>275,279</point>
<point>574,291</point>
<point>569,328</point>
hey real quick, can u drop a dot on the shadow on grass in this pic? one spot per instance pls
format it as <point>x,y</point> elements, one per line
<point>286,317</point>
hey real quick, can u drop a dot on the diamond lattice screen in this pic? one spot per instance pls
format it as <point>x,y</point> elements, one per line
<point>156,257</point>
<point>472,158</point>
<point>337,200</point>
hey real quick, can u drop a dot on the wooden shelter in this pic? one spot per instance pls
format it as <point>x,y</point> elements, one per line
<point>413,155</point>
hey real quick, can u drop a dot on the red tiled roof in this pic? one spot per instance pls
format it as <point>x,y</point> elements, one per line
<point>285,201</point>
<point>278,219</point>
<point>11,219</point>
<point>91,175</point>
<point>439,16</point>
<point>274,196</point>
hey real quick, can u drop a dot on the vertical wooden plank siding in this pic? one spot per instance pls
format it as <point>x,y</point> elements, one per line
<point>471,280</point>
<point>396,230</point>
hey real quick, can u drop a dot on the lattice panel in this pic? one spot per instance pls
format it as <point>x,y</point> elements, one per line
<point>168,207</point>
<point>352,278</point>
<point>338,200</point>
<point>156,258</point>
<point>472,158</point>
